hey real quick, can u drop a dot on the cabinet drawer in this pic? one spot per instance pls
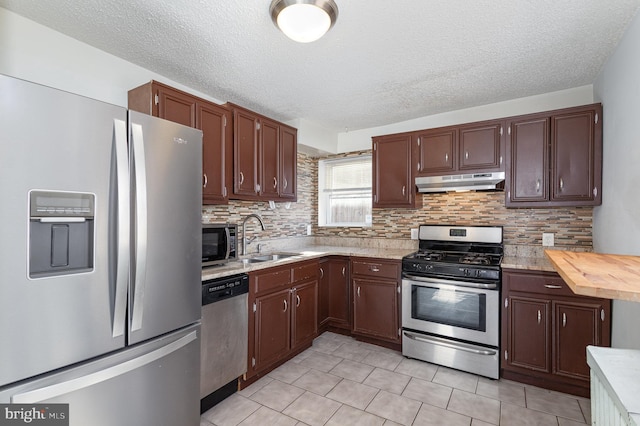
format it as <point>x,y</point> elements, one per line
<point>375,269</point>
<point>304,272</point>
<point>271,280</point>
<point>539,282</point>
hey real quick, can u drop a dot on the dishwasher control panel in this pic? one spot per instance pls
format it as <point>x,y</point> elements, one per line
<point>223,288</point>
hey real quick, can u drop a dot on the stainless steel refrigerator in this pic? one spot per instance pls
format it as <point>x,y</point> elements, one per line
<point>100,251</point>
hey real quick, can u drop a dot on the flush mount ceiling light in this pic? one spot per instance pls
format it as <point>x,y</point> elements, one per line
<point>304,21</point>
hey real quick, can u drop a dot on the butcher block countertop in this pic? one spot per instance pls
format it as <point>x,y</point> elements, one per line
<point>606,276</point>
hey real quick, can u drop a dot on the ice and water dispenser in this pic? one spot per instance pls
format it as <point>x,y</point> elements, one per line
<point>61,233</point>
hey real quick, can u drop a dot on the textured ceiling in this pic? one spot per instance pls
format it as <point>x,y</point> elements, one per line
<point>383,62</point>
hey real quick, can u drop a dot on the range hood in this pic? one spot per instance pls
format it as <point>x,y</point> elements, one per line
<point>459,183</point>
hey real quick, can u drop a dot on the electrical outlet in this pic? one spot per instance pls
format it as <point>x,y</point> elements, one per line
<point>547,239</point>
<point>414,234</point>
<point>308,229</point>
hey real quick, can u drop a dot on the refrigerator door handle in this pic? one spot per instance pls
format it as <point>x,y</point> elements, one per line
<point>123,252</point>
<point>63,388</point>
<point>140,183</point>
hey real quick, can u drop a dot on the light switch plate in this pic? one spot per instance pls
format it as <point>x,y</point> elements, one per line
<point>414,234</point>
<point>308,229</point>
<point>547,239</point>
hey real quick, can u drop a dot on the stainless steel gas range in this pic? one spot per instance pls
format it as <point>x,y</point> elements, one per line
<point>451,298</point>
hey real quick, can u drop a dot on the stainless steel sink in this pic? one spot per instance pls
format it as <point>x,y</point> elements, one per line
<point>267,257</point>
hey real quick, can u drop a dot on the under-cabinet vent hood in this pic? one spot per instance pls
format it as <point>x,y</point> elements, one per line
<point>459,183</point>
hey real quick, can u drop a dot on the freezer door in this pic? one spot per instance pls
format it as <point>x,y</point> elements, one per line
<point>166,173</point>
<point>53,142</point>
<point>153,384</point>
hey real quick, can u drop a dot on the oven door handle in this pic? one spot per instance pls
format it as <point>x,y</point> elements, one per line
<point>448,344</point>
<point>487,286</point>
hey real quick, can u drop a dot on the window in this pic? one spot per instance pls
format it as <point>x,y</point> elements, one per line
<point>344,191</point>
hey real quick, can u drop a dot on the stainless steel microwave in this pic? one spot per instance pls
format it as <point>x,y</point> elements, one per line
<point>219,243</point>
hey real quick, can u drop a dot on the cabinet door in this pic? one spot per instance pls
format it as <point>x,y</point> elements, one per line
<point>528,152</point>
<point>272,327</point>
<point>269,159</point>
<point>245,147</point>
<point>339,295</point>
<point>577,325</point>
<point>392,177</point>
<point>437,151</point>
<point>304,301</point>
<point>217,152</point>
<point>528,339</point>
<point>176,106</point>
<point>480,147</point>
<point>323,291</point>
<point>375,308</point>
<point>573,156</point>
<point>288,162</point>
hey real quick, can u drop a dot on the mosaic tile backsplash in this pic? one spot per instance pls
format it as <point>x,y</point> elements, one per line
<point>572,226</point>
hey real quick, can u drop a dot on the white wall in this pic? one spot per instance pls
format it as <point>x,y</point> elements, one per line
<point>33,52</point>
<point>361,139</point>
<point>616,224</point>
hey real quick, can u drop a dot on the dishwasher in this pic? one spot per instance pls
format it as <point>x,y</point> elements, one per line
<point>224,337</point>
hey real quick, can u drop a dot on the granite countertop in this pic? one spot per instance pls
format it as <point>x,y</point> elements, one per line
<point>528,263</point>
<point>619,372</point>
<point>304,253</point>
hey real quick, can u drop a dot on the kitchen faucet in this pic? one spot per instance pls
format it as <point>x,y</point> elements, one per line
<point>246,240</point>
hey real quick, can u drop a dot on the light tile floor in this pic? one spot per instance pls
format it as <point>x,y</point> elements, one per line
<point>340,381</point>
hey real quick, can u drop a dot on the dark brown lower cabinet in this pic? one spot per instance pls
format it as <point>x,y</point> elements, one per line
<point>283,314</point>
<point>546,329</point>
<point>376,312</point>
<point>335,295</point>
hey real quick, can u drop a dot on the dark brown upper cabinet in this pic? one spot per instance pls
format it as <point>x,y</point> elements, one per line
<point>468,148</point>
<point>555,158</point>
<point>214,120</point>
<point>265,153</point>
<point>394,166</point>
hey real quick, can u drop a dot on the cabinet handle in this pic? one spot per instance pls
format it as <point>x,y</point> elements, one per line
<point>564,319</point>
<point>538,185</point>
<point>285,306</point>
<point>358,291</point>
<point>224,191</point>
<point>241,178</point>
<point>602,314</point>
<point>206,180</point>
<point>321,273</point>
<point>539,316</point>
<point>297,300</point>
<point>285,183</point>
<point>552,286</point>
<point>418,166</point>
<point>466,155</point>
<point>595,192</point>
<point>446,157</point>
<point>561,184</point>
<point>501,155</point>
<point>374,268</point>
<point>344,270</point>
<point>404,189</point>
<point>275,182</point>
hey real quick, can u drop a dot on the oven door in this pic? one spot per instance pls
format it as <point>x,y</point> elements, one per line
<point>452,309</point>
